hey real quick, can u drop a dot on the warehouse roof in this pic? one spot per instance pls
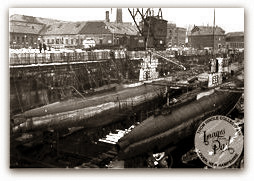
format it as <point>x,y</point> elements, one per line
<point>207,30</point>
<point>95,27</point>
<point>90,27</point>
<point>122,28</point>
<point>25,28</point>
<point>24,18</point>
<point>230,34</point>
<point>65,28</point>
<point>30,24</point>
<point>31,19</point>
<point>102,27</point>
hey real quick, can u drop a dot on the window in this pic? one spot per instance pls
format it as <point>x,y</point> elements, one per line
<point>57,41</point>
<point>18,39</point>
<point>72,41</point>
<point>66,41</point>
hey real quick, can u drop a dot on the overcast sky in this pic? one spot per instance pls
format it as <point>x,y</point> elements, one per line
<point>230,19</point>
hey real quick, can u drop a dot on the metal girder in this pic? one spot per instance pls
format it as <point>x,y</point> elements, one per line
<point>133,14</point>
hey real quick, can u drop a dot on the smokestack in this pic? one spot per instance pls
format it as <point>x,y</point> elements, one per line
<point>119,14</point>
<point>107,16</point>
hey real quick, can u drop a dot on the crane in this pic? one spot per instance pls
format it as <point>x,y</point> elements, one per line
<point>168,60</point>
<point>148,31</point>
<point>152,27</point>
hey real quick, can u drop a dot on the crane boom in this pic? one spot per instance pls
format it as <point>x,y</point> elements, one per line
<point>178,64</point>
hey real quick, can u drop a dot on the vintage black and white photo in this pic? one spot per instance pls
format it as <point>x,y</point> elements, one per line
<point>126,88</point>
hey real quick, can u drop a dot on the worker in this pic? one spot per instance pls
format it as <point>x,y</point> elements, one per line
<point>112,54</point>
<point>40,47</point>
<point>44,47</point>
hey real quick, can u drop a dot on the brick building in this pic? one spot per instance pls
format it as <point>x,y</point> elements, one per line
<point>207,36</point>
<point>63,35</point>
<point>181,35</point>
<point>235,40</point>
<point>28,31</point>
<point>176,36</point>
<point>24,31</point>
<point>70,35</point>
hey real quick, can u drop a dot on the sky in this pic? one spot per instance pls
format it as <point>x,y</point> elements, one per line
<point>230,19</point>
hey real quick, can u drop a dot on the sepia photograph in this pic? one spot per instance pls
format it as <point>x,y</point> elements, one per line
<point>119,88</point>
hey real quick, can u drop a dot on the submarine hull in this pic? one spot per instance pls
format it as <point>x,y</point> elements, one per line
<point>90,112</point>
<point>156,133</point>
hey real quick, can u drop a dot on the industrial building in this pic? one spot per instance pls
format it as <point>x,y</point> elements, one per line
<point>24,31</point>
<point>27,31</point>
<point>235,40</point>
<point>176,36</point>
<point>207,37</point>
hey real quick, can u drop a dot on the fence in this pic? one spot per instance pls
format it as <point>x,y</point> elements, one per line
<point>52,57</point>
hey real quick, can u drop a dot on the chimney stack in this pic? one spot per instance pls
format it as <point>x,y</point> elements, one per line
<point>119,14</point>
<point>107,16</point>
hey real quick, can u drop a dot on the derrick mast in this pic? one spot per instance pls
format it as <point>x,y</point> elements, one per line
<point>152,27</point>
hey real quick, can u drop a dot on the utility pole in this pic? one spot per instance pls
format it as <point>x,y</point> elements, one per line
<point>213,31</point>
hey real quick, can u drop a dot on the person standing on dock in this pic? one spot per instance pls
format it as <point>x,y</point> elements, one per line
<point>40,47</point>
<point>44,47</point>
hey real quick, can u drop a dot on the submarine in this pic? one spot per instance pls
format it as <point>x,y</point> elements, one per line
<point>165,130</point>
<point>88,112</point>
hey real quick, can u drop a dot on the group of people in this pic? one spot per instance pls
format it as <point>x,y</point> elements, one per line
<point>42,46</point>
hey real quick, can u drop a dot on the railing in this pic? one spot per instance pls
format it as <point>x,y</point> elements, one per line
<point>60,57</point>
<point>55,57</point>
